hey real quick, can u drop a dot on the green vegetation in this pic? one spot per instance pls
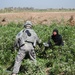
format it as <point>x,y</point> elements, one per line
<point>59,60</point>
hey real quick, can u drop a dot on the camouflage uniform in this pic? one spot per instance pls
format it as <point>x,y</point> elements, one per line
<point>26,46</point>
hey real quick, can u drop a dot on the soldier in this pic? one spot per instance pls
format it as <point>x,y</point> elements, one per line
<point>26,40</point>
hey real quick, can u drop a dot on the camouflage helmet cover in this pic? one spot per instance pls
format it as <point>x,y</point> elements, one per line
<point>27,23</point>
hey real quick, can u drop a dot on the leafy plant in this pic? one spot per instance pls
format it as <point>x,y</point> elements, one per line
<point>60,60</point>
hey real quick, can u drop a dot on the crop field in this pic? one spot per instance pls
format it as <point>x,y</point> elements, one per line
<point>56,61</point>
<point>36,17</point>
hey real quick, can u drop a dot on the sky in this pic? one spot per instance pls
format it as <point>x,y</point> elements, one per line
<point>40,4</point>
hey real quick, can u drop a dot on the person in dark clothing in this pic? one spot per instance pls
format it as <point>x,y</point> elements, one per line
<point>56,38</point>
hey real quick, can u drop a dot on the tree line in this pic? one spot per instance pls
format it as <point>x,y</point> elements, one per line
<point>18,9</point>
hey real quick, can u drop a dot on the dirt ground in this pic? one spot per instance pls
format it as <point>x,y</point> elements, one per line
<point>36,17</point>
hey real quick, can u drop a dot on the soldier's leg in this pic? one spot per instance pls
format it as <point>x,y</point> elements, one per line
<point>32,56</point>
<point>18,60</point>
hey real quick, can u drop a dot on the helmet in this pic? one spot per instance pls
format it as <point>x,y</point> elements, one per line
<point>28,23</point>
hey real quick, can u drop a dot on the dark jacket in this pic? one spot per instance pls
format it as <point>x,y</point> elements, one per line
<point>57,39</point>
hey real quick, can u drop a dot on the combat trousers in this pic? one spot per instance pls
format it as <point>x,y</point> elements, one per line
<point>20,56</point>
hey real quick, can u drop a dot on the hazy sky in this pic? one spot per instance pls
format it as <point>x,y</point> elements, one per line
<point>38,3</point>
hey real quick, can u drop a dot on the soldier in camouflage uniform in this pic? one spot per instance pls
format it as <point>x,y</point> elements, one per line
<point>27,41</point>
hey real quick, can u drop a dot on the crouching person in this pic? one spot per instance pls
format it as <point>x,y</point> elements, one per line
<point>56,38</point>
<point>27,40</point>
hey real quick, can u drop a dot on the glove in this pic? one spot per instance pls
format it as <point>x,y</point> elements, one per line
<point>46,44</point>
